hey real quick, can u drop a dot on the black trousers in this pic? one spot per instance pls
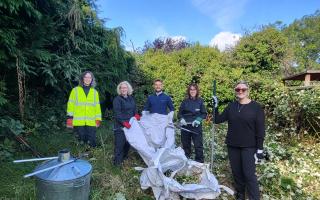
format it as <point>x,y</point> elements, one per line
<point>121,147</point>
<point>244,172</point>
<point>197,140</point>
<point>87,134</point>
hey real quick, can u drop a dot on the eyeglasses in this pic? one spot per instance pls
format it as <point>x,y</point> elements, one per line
<point>241,89</point>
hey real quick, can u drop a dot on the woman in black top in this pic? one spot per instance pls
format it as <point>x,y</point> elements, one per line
<point>124,107</point>
<point>246,131</point>
<point>191,113</point>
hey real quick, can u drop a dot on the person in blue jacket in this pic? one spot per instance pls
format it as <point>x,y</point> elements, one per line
<point>159,102</point>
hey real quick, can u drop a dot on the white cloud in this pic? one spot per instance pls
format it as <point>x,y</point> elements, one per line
<point>159,31</point>
<point>225,40</point>
<point>178,38</point>
<point>222,12</point>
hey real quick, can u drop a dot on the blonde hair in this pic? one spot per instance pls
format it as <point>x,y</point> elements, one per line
<point>242,82</point>
<point>130,90</point>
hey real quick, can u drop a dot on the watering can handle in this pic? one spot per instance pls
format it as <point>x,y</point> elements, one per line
<point>49,168</point>
<point>34,159</point>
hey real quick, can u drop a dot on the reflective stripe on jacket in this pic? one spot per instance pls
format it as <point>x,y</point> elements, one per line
<point>85,110</point>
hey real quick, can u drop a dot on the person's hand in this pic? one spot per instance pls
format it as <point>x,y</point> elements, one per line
<point>170,116</point>
<point>137,116</point>
<point>69,123</point>
<point>145,112</point>
<point>259,156</point>
<point>215,101</point>
<point>196,123</point>
<point>183,122</point>
<point>126,124</point>
<point>98,123</point>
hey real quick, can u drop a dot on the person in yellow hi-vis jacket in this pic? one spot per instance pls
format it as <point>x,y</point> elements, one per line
<point>83,109</point>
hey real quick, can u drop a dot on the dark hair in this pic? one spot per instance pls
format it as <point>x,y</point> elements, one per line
<point>157,80</point>
<point>189,88</point>
<point>93,82</point>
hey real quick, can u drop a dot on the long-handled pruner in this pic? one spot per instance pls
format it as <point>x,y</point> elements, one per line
<point>176,126</point>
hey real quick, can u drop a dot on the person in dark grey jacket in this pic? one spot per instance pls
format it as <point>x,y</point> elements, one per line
<point>191,113</point>
<point>124,107</point>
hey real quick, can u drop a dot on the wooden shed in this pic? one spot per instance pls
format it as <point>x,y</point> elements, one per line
<point>309,77</point>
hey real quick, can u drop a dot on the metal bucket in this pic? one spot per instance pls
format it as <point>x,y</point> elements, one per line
<point>69,182</point>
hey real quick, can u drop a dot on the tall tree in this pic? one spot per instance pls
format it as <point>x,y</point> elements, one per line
<point>304,38</point>
<point>46,44</point>
<point>262,50</point>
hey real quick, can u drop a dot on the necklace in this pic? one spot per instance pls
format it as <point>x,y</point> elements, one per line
<point>240,106</point>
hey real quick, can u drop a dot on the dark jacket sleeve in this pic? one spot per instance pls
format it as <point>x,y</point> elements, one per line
<point>220,118</point>
<point>117,110</point>
<point>181,109</point>
<point>260,127</point>
<point>203,111</point>
<point>170,104</point>
<point>135,106</point>
<point>147,105</point>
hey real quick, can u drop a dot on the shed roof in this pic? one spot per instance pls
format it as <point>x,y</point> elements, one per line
<point>314,76</point>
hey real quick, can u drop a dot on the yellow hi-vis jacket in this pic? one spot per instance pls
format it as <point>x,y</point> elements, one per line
<point>85,110</point>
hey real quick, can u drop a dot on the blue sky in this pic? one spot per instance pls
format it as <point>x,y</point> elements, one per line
<point>206,21</point>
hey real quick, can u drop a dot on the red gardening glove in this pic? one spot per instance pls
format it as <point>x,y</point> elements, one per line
<point>126,124</point>
<point>98,123</point>
<point>70,123</point>
<point>137,116</point>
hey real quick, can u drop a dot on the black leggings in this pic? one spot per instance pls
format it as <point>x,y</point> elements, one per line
<point>244,171</point>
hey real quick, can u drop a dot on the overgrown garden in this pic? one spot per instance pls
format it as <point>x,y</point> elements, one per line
<point>44,46</point>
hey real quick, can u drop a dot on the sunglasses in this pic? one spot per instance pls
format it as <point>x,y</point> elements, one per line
<point>241,89</point>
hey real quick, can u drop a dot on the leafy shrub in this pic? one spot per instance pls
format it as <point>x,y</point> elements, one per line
<point>45,113</point>
<point>10,126</point>
<point>3,88</point>
<point>7,149</point>
<point>8,129</point>
<point>297,111</point>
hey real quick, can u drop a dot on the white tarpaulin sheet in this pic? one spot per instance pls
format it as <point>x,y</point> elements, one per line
<point>155,143</point>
